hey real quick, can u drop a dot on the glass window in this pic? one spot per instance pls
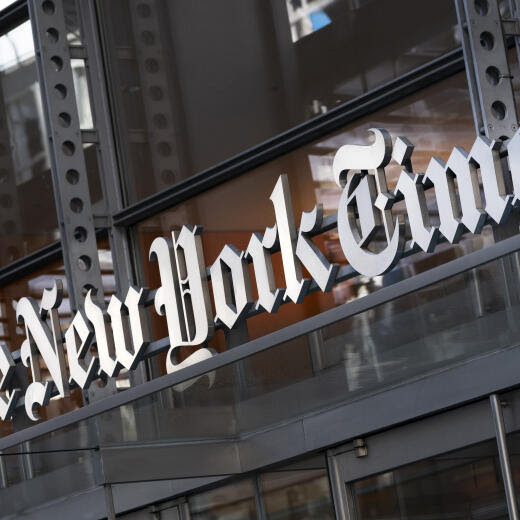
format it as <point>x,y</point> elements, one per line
<point>443,325</point>
<point>435,119</point>
<point>463,484</point>
<point>192,86</point>
<point>27,210</point>
<point>232,502</point>
<point>298,495</point>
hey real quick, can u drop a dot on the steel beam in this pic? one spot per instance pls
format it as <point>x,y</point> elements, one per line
<point>105,146</point>
<point>487,68</point>
<point>69,171</point>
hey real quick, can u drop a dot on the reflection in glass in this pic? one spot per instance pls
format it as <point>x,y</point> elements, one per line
<point>297,495</point>
<point>192,87</point>
<point>27,211</point>
<point>233,502</point>
<point>464,484</point>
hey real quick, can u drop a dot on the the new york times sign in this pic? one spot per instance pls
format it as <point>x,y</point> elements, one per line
<point>364,216</point>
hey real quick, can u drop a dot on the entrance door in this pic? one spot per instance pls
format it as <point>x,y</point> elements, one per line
<point>441,467</point>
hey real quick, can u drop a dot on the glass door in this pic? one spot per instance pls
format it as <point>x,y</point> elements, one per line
<point>439,468</point>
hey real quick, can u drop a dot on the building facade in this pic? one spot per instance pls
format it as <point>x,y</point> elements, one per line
<point>200,312</point>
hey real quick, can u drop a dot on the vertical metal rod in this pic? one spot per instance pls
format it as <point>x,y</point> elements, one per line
<point>109,501</point>
<point>498,419</point>
<point>28,465</point>
<point>184,511</point>
<point>3,472</point>
<point>315,340</point>
<point>338,488</point>
<point>259,500</point>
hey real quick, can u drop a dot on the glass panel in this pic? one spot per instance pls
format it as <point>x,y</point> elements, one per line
<point>28,215</point>
<point>297,495</point>
<point>468,315</point>
<point>435,120</point>
<point>233,502</point>
<point>192,87</point>
<point>49,468</point>
<point>464,484</point>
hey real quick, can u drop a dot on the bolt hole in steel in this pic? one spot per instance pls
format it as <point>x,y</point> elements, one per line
<point>6,201</point>
<point>68,148</point>
<point>144,11</point>
<point>503,138</point>
<point>84,262</point>
<point>48,7</point>
<point>61,90</point>
<point>487,40</point>
<point>482,7</point>
<point>147,37</point>
<point>9,227</point>
<point>87,288</point>
<point>498,109</point>
<point>64,119</point>
<point>76,205</point>
<point>52,34</point>
<point>493,75</point>
<point>80,234</point>
<point>151,65</point>
<point>72,176</point>
<point>164,149</point>
<point>167,176</point>
<point>156,93</point>
<point>57,62</point>
<point>12,253</point>
<point>160,121</point>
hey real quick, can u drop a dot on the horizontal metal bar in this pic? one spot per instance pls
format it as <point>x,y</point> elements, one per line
<point>36,260</point>
<point>386,294</point>
<point>13,15</point>
<point>29,263</point>
<point>43,452</point>
<point>289,140</point>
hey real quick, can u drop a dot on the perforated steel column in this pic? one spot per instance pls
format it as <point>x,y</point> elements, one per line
<point>69,171</point>
<point>156,91</point>
<point>487,67</point>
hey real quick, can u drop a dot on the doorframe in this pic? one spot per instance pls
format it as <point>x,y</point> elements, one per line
<point>423,439</point>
